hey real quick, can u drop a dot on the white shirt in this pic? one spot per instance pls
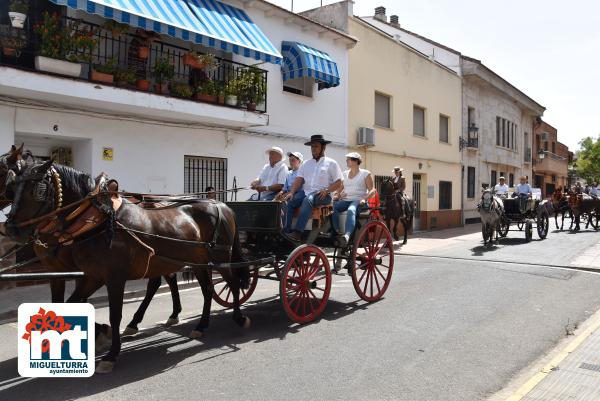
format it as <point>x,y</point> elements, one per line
<point>272,175</point>
<point>355,187</point>
<point>594,191</point>
<point>320,174</point>
<point>501,189</point>
<point>523,189</point>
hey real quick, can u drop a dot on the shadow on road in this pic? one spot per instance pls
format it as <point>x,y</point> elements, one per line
<point>160,349</point>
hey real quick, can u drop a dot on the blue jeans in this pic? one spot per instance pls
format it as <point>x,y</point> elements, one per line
<point>264,196</point>
<point>352,208</point>
<point>292,204</point>
<point>306,208</point>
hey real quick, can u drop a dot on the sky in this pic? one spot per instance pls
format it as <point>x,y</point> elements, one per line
<point>550,49</point>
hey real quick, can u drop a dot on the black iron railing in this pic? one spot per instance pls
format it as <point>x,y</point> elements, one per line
<point>131,60</point>
<point>473,142</point>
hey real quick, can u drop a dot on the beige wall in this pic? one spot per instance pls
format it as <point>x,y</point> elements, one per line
<point>380,64</point>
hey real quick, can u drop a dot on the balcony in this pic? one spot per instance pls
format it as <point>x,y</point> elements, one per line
<point>473,143</point>
<point>527,155</point>
<point>552,164</point>
<point>113,57</point>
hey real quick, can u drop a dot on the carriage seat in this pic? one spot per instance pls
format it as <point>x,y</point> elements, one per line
<point>319,215</point>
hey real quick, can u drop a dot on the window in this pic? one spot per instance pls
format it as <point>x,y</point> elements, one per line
<point>418,121</point>
<point>553,178</point>
<point>445,195</point>
<point>471,182</point>
<point>502,174</point>
<point>497,131</point>
<point>546,146</point>
<point>506,133</point>
<point>470,117</point>
<point>300,86</point>
<point>554,147</point>
<point>494,177</point>
<point>444,122</point>
<point>511,180</point>
<point>201,172</point>
<point>382,111</point>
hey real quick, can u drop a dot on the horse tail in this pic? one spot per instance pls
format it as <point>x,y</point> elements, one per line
<point>237,256</point>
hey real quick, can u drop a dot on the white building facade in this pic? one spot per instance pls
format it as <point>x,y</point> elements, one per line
<point>155,143</point>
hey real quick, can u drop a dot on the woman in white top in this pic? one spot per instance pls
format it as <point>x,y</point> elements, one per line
<point>357,188</point>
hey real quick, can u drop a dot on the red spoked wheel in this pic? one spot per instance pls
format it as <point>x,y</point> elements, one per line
<point>305,283</point>
<point>372,261</point>
<point>222,294</point>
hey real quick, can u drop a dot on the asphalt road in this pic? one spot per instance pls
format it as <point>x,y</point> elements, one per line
<point>457,323</point>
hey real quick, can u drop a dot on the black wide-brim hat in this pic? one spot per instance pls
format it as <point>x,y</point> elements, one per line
<point>317,138</point>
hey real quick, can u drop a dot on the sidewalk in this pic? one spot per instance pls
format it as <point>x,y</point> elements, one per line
<point>572,374</point>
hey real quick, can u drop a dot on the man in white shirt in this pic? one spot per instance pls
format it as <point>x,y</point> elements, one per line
<point>320,176</point>
<point>523,188</point>
<point>272,177</point>
<point>501,188</point>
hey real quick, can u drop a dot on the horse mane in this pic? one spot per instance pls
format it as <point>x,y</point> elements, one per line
<point>75,180</point>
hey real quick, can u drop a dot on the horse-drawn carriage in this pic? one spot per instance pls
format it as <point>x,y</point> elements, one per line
<point>303,269</point>
<point>526,213</point>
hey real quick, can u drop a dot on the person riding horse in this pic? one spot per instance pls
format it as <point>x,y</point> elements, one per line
<point>399,186</point>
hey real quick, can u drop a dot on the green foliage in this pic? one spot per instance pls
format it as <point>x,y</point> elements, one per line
<point>115,27</point>
<point>209,87</point>
<point>163,70</point>
<point>68,42</point>
<point>125,76</point>
<point>18,6</point>
<point>251,85</point>
<point>588,159</point>
<point>109,68</point>
<point>183,90</point>
<point>13,42</point>
<point>231,87</point>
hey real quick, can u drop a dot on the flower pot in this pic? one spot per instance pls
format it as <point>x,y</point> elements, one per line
<point>192,61</point>
<point>206,98</point>
<point>143,52</point>
<point>57,66</point>
<point>17,19</point>
<point>9,52</point>
<point>102,77</point>
<point>250,106</point>
<point>221,99</point>
<point>142,84</point>
<point>231,100</point>
<point>162,89</point>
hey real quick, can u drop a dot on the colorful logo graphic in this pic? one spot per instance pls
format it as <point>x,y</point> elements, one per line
<point>56,340</point>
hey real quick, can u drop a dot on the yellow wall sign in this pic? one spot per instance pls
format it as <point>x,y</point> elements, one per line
<point>107,154</point>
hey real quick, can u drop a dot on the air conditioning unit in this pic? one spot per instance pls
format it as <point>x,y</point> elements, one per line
<point>366,136</point>
<point>545,136</point>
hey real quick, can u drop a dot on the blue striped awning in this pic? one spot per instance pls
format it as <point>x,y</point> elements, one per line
<point>303,61</point>
<point>205,22</point>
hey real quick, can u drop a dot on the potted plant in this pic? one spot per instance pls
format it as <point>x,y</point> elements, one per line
<point>62,48</point>
<point>207,92</point>
<point>192,60</point>
<point>163,72</point>
<point>148,37</point>
<point>105,72</point>
<point>181,90</point>
<point>209,61</point>
<point>125,77</point>
<point>220,93</point>
<point>116,28</point>
<point>17,11</point>
<point>142,84</point>
<point>231,92</point>
<point>12,45</point>
<point>251,87</point>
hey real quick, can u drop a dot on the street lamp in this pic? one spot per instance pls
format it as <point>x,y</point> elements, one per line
<point>541,154</point>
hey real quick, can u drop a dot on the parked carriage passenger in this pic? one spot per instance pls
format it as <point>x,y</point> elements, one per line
<point>295,159</point>
<point>272,176</point>
<point>320,176</point>
<point>356,189</point>
<point>523,188</point>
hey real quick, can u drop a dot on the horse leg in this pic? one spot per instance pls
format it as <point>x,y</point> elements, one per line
<point>238,317</point>
<point>57,289</point>
<point>116,290</point>
<point>205,280</point>
<point>172,282</point>
<point>405,225</point>
<point>151,288</point>
<point>556,219</point>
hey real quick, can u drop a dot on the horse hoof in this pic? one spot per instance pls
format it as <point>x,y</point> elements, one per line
<point>195,334</point>
<point>105,367</point>
<point>172,321</point>
<point>247,323</point>
<point>129,331</point>
<point>404,242</point>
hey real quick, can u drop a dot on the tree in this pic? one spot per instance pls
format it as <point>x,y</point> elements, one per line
<point>588,159</point>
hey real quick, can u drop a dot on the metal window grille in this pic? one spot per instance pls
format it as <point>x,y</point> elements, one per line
<point>201,172</point>
<point>471,182</point>
<point>445,195</point>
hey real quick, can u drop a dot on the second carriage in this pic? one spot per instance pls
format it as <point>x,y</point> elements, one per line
<point>527,214</point>
<point>303,270</point>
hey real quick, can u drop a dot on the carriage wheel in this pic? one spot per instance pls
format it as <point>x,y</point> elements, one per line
<point>373,261</point>
<point>504,226</point>
<point>543,224</point>
<point>222,293</point>
<point>528,230</point>
<point>305,283</point>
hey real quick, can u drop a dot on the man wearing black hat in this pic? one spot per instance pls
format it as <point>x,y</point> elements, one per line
<point>320,176</point>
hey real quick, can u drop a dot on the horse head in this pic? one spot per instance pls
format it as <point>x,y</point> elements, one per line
<point>387,188</point>
<point>487,200</point>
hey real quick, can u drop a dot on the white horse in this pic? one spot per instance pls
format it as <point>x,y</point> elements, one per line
<point>490,209</point>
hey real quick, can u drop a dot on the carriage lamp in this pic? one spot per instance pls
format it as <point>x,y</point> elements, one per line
<point>541,154</point>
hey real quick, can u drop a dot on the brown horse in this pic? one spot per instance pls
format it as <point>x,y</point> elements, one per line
<point>560,204</point>
<point>142,243</point>
<point>395,211</point>
<point>583,205</point>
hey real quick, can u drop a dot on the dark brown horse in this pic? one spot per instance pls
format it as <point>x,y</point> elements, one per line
<point>560,204</point>
<point>583,205</point>
<point>396,211</point>
<point>135,243</point>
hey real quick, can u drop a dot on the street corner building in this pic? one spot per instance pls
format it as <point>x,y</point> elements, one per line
<point>171,96</point>
<point>404,109</point>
